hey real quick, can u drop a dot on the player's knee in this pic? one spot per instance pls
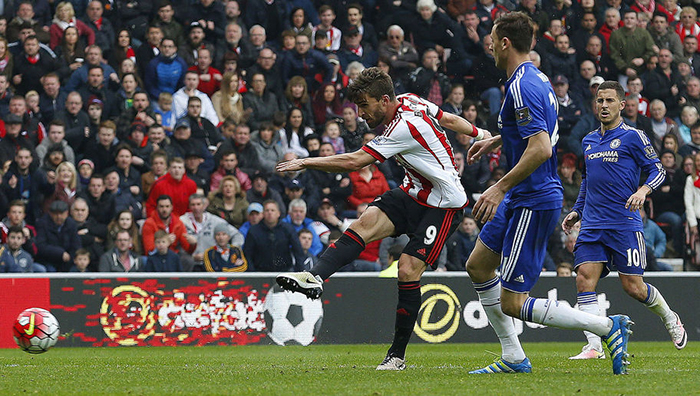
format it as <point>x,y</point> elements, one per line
<point>635,289</point>
<point>511,308</point>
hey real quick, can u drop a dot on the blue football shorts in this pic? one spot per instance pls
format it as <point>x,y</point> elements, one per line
<point>520,236</point>
<point>621,250</point>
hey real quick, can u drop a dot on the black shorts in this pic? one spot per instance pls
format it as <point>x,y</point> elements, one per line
<point>427,227</point>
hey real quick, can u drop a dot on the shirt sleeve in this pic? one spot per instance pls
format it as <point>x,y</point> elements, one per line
<point>530,103</point>
<point>393,141</point>
<point>645,156</point>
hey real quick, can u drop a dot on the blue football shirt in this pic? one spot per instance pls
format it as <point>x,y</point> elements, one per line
<point>530,107</point>
<point>614,163</point>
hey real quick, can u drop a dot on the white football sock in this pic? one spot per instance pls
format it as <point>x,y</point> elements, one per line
<point>556,314</point>
<point>657,304</point>
<point>490,296</point>
<point>588,302</point>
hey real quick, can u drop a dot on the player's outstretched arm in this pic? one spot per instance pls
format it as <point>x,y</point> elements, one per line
<point>482,147</point>
<point>335,163</point>
<point>460,125</point>
<point>569,221</point>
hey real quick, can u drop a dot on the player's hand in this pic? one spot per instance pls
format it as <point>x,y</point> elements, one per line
<point>485,207</point>
<point>290,166</point>
<point>482,147</point>
<point>636,200</point>
<point>569,222</point>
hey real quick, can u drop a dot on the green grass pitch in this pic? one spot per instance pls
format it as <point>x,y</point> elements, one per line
<point>657,369</point>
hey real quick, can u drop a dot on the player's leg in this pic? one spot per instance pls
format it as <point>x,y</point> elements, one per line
<point>630,260</point>
<point>481,266</point>
<point>587,276</point>
<point>520,270</point>
<point>410,271</point>
<point>373,224</point>
<point>650,296</point>
<point>430,232</point>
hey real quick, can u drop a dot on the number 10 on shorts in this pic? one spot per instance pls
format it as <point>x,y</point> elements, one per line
<point>633,257</point>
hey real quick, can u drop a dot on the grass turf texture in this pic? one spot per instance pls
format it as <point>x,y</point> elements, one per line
<point>340,369</point>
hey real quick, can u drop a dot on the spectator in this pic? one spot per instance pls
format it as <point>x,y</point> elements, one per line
<point>306,62</point>
<point>690,54</point>
<point>57,238</point>
<point>570,108</point>
<point>247,156</point>
<point>269,149</point>
<point>668,202</point>
<point>630,48</point>
<point>24,182</point>
<point>228,201</point>
<point>297,96</point>
<point>65,185</point>
<point>100,203</point>
<point>201,224</point>
<point>102,152</point>
<point>689,116</point>
<point>95,88</point>
<point>64,17</point>
<point>260,103</point>
<point>52,99</point>
<point>354,51</point>
<point>228,166</point>
<point>268,65</point>
<point>193,170</point>
<point>166,72</point>
<point>490,79</point>
<point>210,15</point>
<point>297,218</point>
<point>181,144</point>
<point>306,240</point>
<point>327,16</point>
<point>233,44</point>
<point>233,13</point>
<point>272,245</point>
<point>189,90</point>
<point>140,111</point>
<point>254,217</point>
<point>133,14</point>
<point>130,178</point>
<point>547,43</point>
<point>562,61</point>
<point>579,37</point>
<point>635,88</point>
<point>689,25</point>
<point>15,259</point>
<point>123,50</point>
<point>14,140</point>
<point>124,221</point>
<point>692,94</point>
<point>77,123</point>
<point>655,241</point>
<point>693,146</point>
<point>102,27</point>
<point>326,105</point>
<point>594,52</point>
<point>123,198</point>
<point>295,132</point>
<point>533,10</point>
<point>670,142</point>
<point>91,233</point>
<point>16,217</point>
<point>223,256</point>
<point>487,10</point>
<point>168,25</point>
<point>262,192</point>
<point>461,243</point>
<point>203,130</point>
<point>228,102</point>
<point>352,128</point>
<point>150,49</point>
<point>367,184</point>
<point>26,18</point>
<point>176,186</point>
<point>163,259</point>
<point>428,82</point>
<point>69,53</point>
<point>663,82</point>
<point>612,23</point>
<point>120,258</point>
<point>163,218</point>
<point>401,55</point>
<point>93,57</point>
<point>661,125</point>
<point>664,38</point>
<point>32,64</point>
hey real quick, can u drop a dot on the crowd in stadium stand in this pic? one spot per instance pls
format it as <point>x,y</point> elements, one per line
<point>142,135</point>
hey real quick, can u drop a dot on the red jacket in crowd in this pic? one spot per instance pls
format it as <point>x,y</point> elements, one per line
<point>179,192</point>
<point>364,191</point>
<point>154,223</point>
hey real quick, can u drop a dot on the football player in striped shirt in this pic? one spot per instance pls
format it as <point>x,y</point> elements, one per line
<point>521,210</point>
<point>612,234</point>
<point>428,206</point>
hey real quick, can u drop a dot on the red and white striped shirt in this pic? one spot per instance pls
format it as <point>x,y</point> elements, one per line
<point>419,144</point>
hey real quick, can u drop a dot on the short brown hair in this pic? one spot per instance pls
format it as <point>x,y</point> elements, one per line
<point>108,125</point>
<point>519,29</point>
<point>612,85</point>
<point>160,234</point>
<point>374,82</point>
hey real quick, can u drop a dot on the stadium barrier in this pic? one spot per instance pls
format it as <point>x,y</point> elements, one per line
<point>206,309</point>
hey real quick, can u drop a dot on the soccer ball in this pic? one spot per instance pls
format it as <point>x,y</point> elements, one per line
<point>292,318</point>
<point>35,330</point>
